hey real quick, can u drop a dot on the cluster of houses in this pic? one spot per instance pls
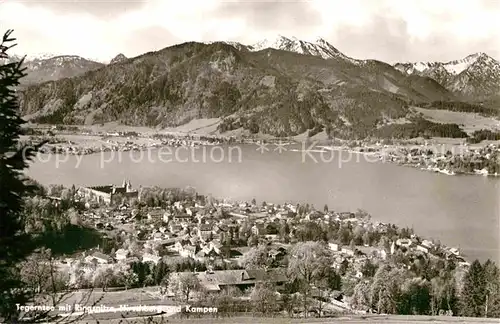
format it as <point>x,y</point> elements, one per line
<point>218,232</point>
<point>119,141</point>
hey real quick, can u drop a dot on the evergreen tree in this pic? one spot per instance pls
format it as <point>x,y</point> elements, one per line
<point>473,294</point>
<point>415,298</point>
<point>13,161</point>
<point>492,290</point>
<point>161,273</point>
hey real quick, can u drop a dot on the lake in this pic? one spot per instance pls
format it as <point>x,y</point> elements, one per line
<point>461,211</point>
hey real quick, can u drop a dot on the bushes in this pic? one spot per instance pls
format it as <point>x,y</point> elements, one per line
<point>482,135</point>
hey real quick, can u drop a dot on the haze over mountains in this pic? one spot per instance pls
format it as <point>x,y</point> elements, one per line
<point>285,86</point>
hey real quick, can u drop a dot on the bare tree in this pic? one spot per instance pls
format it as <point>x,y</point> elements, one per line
<point>264,298</point>
<point>256,258</point>
<point>307,264</point>
<point>47,285</point>
<point>184,284</point>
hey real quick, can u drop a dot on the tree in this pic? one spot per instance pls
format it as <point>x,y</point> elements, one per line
<point>367,238</point>
<point>106,278</point>
<point>228,238</point>
<point>290,301</point>
<point>161,274</point>
<point>263,297</point>
<point>310,231</point>
<point>492,291</point>
<point>384,242</point>
<point>14,157</point>
<point>66,195</point>
<point>352,245</point>
<point>368,269</point>
<point>284,230</point>
<point>443,294</point>
<point>55,190</point>
<point>36,272</point>
<point>344,266</point>
<point>130,279</point>
<point>474,291</point>
<point>252,240</point>
<point>225,300</point>
<point>74,217</point>
<point>183,284</point>
<point>255,258</point>
<point>385,289</point>
<point>327,282</point>
<point>361,296</point>
<point>44,282</point>
<point>308,262</point>
<point>415,298</point>
<point>344,234</point>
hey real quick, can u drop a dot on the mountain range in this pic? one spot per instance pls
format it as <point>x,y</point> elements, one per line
<point>476,76</point>
<point>43,68</point>
<point>281,87</point>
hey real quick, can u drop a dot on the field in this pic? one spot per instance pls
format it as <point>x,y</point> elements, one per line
<point>150,296</point>
<point>205,126</point>
<point>469,122</point>
<point>112,298</point>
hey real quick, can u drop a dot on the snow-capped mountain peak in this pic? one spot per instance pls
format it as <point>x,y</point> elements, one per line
<point>458,66</point>
<point>454,67</point>
<point>319,47</point>
<point>47,67</point>
<point>476,75</point>
<point>34,56</point>
<point>41,58</point>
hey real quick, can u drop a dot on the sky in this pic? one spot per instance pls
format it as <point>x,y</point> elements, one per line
<point>387,30</point>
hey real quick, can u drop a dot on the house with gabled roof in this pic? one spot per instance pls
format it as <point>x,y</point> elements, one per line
<point>155,214</point>
<point>175,228</point>
<point>216,245</point>
<point>101,258</point>
<point>121,254</point>
<point>158,236</point>
<point>206,254</point>
<point>189,251</point>
<point>276,254</point>
<point>148,257</point>
<point>213,281</point>
<point>205,231</point>
<point>182,218</point>
<point>258,229</point>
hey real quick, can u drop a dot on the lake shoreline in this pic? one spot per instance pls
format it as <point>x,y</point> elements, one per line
<point>400,154</point>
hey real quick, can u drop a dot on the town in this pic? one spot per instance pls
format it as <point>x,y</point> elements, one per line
<point>450,160</point>
<point>75,141</point>
<point>467,158</point>
<point>188,249</point>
